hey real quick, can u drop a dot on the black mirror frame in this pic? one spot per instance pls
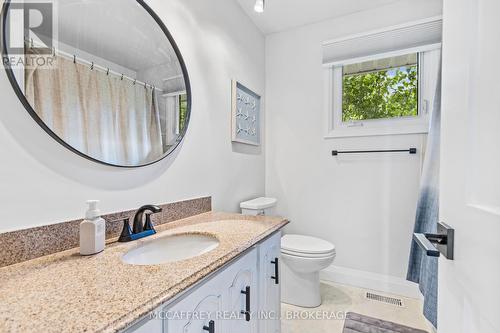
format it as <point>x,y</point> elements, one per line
<point>34,115</point>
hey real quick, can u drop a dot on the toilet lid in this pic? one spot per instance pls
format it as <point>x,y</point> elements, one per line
<point>306,244</point>
<point>259,203</point>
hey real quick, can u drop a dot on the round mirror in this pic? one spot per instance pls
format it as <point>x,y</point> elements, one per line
<point>103,78</point>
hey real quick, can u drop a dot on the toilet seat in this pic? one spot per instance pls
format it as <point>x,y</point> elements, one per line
<point>306,246</point>
<point>308,255</point>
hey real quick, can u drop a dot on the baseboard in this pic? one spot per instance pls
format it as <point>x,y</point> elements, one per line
<point>373,281</point>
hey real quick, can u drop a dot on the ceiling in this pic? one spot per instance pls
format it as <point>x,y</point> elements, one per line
<point>285,14</point>
<point>120,31</point>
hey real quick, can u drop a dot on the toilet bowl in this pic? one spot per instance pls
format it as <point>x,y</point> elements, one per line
<point>303,257</point>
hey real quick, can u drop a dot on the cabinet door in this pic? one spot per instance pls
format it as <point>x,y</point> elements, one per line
<point>242,295</point>
<point>269,284</point>
<point>198,311</point>
<point>147,325</point>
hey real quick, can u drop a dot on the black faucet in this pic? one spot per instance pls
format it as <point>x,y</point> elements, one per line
<point>139,226</point>
<point>140,229</point>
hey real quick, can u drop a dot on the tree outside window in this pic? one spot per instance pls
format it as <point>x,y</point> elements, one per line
<point>182,111</point>
<point>381,89</point>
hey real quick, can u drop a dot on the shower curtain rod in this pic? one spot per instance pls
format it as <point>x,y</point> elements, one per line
<point>93,66</point>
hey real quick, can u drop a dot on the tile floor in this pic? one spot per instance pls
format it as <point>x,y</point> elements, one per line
<point>339,299</point>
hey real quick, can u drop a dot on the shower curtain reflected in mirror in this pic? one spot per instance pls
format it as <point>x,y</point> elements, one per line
<point>100,115</point>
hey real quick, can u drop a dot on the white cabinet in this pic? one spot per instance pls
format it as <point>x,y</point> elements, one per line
<point>147,325</point>
<point>219,304</point>
<point>269,283</point>
<point>198,312</point>
<point>243,297</point>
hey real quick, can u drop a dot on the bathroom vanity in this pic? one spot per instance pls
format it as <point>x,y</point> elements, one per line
<point>243,296</point>
<point>231,287</point>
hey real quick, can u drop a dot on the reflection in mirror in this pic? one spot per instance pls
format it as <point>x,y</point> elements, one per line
<point>113,86</point>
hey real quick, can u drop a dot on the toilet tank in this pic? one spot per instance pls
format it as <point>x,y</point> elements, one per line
<point>259,206</point>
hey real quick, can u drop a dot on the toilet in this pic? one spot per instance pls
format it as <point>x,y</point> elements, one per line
<point>302,258</point>
<point>259,206</point>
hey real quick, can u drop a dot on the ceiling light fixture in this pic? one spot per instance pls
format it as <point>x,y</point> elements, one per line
<point>259,6</point>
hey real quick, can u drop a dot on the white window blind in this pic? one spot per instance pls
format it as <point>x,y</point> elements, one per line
<point>408,36</point>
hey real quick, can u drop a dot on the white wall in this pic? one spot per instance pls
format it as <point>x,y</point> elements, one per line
<point>42,182</point>
<point>365,204</point>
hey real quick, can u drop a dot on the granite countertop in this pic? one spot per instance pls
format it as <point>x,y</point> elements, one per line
<point>66,292</point>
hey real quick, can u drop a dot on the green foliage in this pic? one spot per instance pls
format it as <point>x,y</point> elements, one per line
<point>182,111</point>
<point>382,94</point>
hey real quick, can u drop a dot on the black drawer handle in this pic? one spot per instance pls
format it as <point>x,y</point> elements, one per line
<point>276,276</point>
<point>210,328</point>
<point>246,292</point>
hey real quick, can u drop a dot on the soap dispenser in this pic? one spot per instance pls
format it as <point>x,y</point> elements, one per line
<point>92,230</point>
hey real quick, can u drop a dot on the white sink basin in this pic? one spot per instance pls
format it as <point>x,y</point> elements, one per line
<point>169,249</point>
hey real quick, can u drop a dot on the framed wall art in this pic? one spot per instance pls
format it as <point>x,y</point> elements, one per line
<point>246,106</point>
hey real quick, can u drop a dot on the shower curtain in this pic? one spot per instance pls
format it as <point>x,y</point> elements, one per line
<point>100,115</point>
<point>423,269</point>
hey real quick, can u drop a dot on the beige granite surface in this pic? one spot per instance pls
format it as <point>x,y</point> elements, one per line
<point>26,244</point>
<point>65,292</point>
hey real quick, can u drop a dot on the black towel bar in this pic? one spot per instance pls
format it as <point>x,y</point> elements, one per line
<point>411,151</point>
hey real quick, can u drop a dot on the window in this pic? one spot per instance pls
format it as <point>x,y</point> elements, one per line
<point>382,94</point>
<point>173,118</point>
<point>383,81</point>
<point>182,111</point>
<point>380,89</point>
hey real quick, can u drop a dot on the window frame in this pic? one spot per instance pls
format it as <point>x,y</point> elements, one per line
<point>333,76</point>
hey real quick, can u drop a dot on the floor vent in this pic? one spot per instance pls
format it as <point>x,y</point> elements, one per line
<point>384,299</point>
